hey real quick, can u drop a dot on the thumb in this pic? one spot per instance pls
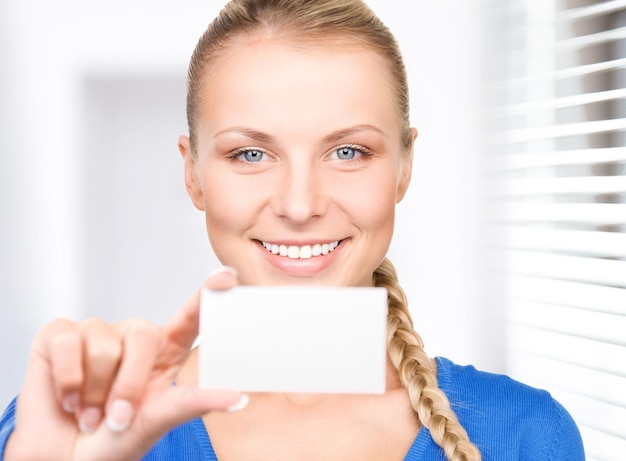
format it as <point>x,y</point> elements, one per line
<point>183,403</point>
<point>182,328</point>
<point>159,414</point>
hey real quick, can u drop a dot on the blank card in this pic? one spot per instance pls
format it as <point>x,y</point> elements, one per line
<point>294,339</point>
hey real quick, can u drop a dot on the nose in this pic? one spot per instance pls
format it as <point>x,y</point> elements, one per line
<point>300,195</point>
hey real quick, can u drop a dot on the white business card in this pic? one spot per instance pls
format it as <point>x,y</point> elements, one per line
<point>294,339</point>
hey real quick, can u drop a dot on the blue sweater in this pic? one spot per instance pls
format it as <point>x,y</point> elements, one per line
<point>505,419</point>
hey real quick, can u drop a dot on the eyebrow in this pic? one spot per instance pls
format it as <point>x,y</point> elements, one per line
<point>346,132</point>
<point>265,138</point>
<point>248,133</point>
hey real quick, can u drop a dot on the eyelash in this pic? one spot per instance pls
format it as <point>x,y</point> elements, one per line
<point>234,156</point>
<point>362,150</point>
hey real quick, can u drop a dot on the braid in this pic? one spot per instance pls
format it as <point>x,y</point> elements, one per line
<point>417,374</point>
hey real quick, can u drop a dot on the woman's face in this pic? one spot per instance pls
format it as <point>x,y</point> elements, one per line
<point>299,163</point>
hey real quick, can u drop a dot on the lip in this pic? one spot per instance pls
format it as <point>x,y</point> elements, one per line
<point>299,242</point>
<point>302,267</point>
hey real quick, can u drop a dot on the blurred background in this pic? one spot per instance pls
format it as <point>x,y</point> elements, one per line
<point>511,243</point>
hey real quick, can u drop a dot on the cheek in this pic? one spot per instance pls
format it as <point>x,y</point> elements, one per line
<point>228,203</point>
<point>380,221</point>
<point>374,200</point>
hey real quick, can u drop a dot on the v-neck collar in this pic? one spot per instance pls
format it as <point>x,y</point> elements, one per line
<point>416,452</point>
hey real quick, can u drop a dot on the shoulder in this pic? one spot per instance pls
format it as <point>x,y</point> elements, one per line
<point>468,387</point>
<point>508,419</point>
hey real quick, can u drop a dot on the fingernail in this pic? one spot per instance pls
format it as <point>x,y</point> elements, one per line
<point>243,403</point>
<point>229,269</point>
<point>120,415</point>
<point>70,402</point>
<point>89,419</point>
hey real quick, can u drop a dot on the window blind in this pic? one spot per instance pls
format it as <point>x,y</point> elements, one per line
<point>557,177</point>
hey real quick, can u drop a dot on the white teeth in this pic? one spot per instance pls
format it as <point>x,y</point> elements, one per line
<point>306,252</point>
<point>293,252</point>
<point>303,252</point>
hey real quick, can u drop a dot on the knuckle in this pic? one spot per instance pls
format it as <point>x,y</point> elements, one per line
<point>92,324</point>
<point>65,360</point>
<point>64,341</point>
<point>49,331</point>
<point>104,354</point>
<point>129,388</point>
<point>142,327</point>
<point>142,331</point>
<point>102,343</point>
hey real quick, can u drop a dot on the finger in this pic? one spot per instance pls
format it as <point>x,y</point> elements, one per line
<point>59,343</point>
<point>39,406</point>
<point>223,278</point>
<point>66,366</point>
<point>142,342</point>
<point>161,411</point>
<point>183,403</point>
<point>56,359</point>
<point>102,353</point>
<point>182,328</point>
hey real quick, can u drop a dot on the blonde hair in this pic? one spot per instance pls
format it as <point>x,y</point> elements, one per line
<point>417,373</point>
<point>299,22</point>
<point>345,22</point>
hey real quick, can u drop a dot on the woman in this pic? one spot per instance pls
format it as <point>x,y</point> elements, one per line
<point>299,148</point>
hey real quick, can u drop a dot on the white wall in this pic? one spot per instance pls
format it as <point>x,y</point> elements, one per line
<point>95,219</point>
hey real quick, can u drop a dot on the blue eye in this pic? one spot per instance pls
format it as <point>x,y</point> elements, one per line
<point>347,153</point>
<point>251,155</point>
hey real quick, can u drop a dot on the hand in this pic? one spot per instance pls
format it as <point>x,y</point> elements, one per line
<point>95,391</point>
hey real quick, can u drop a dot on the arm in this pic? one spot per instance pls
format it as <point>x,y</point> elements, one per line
<point>567,444</point>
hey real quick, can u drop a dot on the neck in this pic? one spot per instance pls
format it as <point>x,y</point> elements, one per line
<point>188,374</point>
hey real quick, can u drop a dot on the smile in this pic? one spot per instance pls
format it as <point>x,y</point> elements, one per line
<point>301,252</point>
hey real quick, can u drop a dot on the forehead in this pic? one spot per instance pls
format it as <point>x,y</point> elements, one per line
<point>267,41</point>
<point>262,78</point>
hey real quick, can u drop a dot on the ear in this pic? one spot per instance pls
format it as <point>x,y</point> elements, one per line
<point>191,178</point>
<point>407,168</point>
